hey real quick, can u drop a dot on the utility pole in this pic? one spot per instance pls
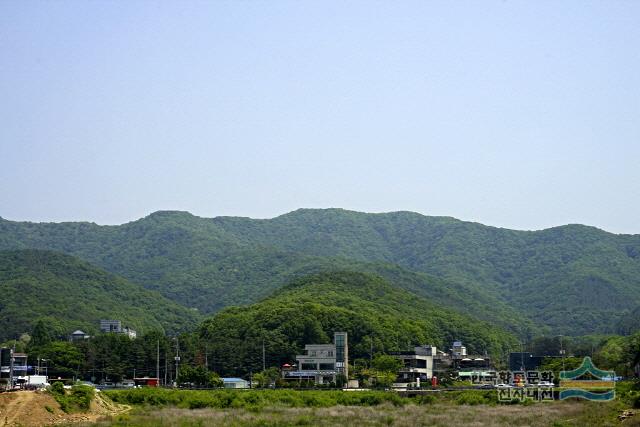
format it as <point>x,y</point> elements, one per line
<point>158,361</point>
<point>562,352</point>
<point>206,356</point>
<point>264,365</point>
<point>11,359</point>
<point>177,359</point>
<point>166,367</point>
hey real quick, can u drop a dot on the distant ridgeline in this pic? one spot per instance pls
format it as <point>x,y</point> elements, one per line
<point>570,280</point>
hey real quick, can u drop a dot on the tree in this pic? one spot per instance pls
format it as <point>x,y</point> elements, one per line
<point>64,358</point>
<point>633,349</point>
<point>385,363</point>
<point>546,346</point>
<point>385,379</point>
<point>612,355</point>
<point>42,334</point>
<point>199,377</point>
<point>266,378</point>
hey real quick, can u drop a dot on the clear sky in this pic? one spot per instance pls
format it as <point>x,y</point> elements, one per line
<point>520,114</point>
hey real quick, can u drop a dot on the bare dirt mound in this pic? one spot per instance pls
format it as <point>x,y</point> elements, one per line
<point>37,408</point>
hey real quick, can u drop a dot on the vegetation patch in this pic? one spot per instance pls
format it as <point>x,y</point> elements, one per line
<point>77,399</point>
<point>253,399</point>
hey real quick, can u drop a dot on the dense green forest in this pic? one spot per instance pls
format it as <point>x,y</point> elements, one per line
<point>572,280</point>
<point>377,316</point>
<point>71,294</point>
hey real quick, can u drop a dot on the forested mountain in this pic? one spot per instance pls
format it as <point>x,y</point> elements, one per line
<point>198,264</point>
<point>71,294</point>
<point>574,279</point>
<point>377,316</point>
<point>629,324</point>
<point>571,279</point>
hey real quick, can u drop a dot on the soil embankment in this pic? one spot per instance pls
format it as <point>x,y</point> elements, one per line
<point>37,408</point>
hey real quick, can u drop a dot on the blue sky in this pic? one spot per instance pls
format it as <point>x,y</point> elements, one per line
<point>516,114</point>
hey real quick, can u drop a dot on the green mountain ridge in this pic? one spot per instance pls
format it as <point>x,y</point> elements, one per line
<point>187,260</point>
<point>374,313</point>
<point>571,279</point>
<point>72,294</point>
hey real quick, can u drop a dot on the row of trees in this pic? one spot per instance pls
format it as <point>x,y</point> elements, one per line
<point>617,353</point>
<point>112,357</point>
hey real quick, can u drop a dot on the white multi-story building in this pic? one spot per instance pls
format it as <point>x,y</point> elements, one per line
<point>417,365</point>
<point>322,363</point>
<point>115,326</point>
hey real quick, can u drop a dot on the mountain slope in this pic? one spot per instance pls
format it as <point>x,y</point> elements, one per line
<point>374,313</point>
<point>199,264</point>
<point>73,294</point>
<point>573,279</point>
<point>570,280</point>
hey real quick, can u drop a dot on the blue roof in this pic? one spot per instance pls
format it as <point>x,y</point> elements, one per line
<point>232,380</point>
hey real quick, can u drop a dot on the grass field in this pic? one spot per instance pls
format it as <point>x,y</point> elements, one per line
<point>187,408</point>
<point>439,414</point>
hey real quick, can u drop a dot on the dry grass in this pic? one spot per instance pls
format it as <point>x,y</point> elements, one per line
<point>440,414</point>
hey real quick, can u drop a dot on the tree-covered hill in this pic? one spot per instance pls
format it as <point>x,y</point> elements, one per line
<point>72,294</point>
<point>375,314</point>
<point>571,279</point>
<point>198,264</point>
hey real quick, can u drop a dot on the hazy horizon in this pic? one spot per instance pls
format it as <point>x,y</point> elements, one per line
<point>521,115</point>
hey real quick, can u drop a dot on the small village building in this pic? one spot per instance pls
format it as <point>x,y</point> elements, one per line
<point>78,336</point>
<point>322,363</point>
<point>13,366</point>
<point>115,327</point>
<point>235,383</point>
<point>476,363</point>
<point>458,351</point>
<point>418,365</point>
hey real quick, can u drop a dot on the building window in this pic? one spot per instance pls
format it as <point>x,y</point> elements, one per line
<point>308,367</point>
<point>327,366</point>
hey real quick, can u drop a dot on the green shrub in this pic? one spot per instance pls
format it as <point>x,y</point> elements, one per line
<point>469,398</point>
<point>424,399</point>
<point>56,388</point>
<point>78,399</point>
<point>252,399</point>
<point>474,397</point>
